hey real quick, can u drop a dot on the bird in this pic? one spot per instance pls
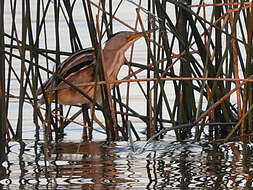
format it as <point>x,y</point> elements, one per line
<point>80,68</point>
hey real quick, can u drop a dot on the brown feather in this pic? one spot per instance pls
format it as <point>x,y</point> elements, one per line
<point>74,63</point>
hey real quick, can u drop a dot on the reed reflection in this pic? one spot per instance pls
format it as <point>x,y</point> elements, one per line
<point>247,165</point>
<point>84,164</point>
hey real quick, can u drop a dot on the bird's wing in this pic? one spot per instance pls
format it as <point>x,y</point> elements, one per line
<point>78,61</point>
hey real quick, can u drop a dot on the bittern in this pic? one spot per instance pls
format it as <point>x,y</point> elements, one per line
<point>80,69</point>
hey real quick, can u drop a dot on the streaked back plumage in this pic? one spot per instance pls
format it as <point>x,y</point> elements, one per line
<point>80,59</point>
<point>79,69</point>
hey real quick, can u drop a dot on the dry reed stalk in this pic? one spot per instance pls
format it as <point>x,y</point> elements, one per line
<point>236,74</point>
<point>220,4</point>
<point>248,63</point>
<point>120,21</point>
<point>108,91</point>
<point>78,123</point>
<point>162,79</point>
<point>239,123</point>
<point>212,107</point>
<point>117,19</point>
<point>130,70</point>
<point>205,34</point>
<point>178,57</point>
<point>156,70</point>
<point>85,133</point>
<point>162,72</point>
<point>100,75</point>
<point>151,126</point>
<point>211,114</point>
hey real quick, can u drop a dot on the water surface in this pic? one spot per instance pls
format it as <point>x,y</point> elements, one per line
<point>99,165</point>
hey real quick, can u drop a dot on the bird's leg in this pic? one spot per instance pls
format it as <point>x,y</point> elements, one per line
<point>47,122</point>
<point>85,120</point>
<point>93,115</point>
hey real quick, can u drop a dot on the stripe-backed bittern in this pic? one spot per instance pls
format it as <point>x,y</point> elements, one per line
<point>80,69</point>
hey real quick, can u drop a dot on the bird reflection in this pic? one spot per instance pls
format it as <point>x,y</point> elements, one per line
<point>87,164</point>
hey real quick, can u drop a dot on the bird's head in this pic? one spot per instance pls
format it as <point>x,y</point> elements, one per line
<point>123,40</point>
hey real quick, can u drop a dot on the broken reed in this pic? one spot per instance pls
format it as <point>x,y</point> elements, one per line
<point>207,51</point>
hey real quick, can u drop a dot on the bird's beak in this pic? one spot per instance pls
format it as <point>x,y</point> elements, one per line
<point>136,36</point>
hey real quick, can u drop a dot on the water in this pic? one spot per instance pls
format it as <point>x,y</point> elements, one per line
<point>73,164</point>
<point>98,165</point>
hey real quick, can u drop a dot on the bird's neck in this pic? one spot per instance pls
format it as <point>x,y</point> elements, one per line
<point>113,60</point>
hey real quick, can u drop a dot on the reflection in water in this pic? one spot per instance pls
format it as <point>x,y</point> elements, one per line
<point>95,165</point>
<point>87,164</point>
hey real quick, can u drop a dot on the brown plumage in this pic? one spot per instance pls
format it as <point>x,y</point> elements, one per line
<point>80,69</point>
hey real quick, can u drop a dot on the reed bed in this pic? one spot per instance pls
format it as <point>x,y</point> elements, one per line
<point>201,52</point>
